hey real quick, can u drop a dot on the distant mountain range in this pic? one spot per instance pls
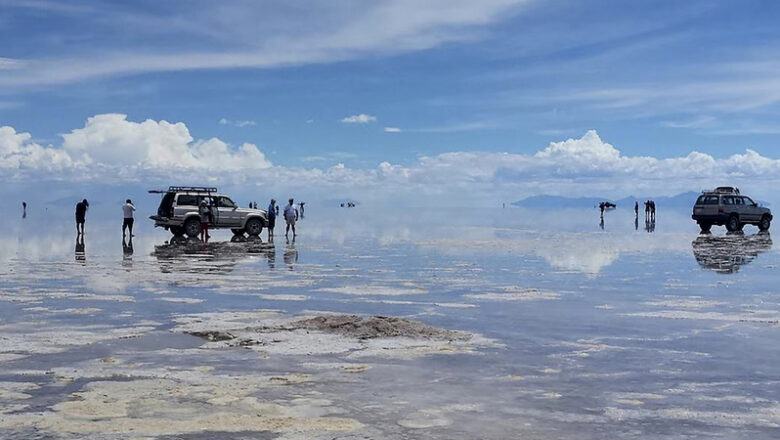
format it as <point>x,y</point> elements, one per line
<point>684,200</point>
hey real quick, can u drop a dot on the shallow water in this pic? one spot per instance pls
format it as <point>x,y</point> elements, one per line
<point>585,330</point>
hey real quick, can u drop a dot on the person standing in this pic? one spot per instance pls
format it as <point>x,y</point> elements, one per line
<point>205,216</point>
<point>81,216</point>
<point>273,211</point>
<point>24,209</point>
<point>636,209</point>
<point>128,209</point>
<point>290,216</point>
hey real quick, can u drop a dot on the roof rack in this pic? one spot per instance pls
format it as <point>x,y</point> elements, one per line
<point>726,190</point>
<point>191,188</point>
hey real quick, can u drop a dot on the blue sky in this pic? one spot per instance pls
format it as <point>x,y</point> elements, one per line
<point>652,78</point>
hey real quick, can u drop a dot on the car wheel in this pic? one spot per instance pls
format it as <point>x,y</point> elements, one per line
<point>177,231</point>
<point>764,224</point>
<point>705,227</point>
<point>254,227</point>
<point>733,224</point>
<point>192,227</point>
<point>237,231</point>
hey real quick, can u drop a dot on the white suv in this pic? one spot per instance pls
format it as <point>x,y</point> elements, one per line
<point>178,212</point>
<point>726,206</point>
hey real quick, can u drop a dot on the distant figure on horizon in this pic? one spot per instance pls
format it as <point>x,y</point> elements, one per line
<point>341,205</point>
<point>273,211</point>
<point>81,216</point>
<point>647,210</point>
<point>24,209</point>
<point>290,216</point>
<point>601,207</point>
<point>652,210</point>
<point>127,210</point>
<point>636,209</point>
<point>301,208</point>
<point>205,216</point>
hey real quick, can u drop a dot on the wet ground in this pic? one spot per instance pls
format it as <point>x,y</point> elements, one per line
<point>511,324</point>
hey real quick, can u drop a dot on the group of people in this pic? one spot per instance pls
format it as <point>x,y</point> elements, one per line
<point>348,205</point>
<point>649,210</point>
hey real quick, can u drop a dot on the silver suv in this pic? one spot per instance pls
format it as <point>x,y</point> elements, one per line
<point>726,206</point>
<point>178,212</point>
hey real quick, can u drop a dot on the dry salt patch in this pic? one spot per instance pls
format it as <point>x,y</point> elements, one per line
<point>515,293</point>
<point>281,297</point>
<point>180,300</point>
<point>152,407</point>
<point>42,337</point>
<point>693,302</point>
<point>351,335</point>
<point>770,317</point>
<point>375,290</point>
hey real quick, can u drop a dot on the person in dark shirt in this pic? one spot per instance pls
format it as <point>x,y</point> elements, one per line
<point>81,215</point>
<point>273,211</point>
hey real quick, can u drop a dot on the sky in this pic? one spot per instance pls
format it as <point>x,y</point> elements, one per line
<point>442,100</point>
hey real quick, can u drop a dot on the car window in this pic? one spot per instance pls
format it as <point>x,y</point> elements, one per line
<point>738,201</point>
<point>711,200</point>
<point>225,202</point>
<point>728,200</point>
<point>747,200</point>
<point>187,200</point>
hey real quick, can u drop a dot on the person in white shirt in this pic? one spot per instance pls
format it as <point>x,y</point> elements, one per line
<point>127,210</point>
<point>290,216</point>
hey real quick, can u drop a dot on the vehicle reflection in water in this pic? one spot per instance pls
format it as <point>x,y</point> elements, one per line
<point>726,254</point>
<point>182,254</point>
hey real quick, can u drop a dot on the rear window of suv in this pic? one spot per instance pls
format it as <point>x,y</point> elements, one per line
<point>707,200</point>
<point>187,200</point>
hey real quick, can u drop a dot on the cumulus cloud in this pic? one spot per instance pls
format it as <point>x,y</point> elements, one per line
<point>112,149</point>
<point>359,119</point>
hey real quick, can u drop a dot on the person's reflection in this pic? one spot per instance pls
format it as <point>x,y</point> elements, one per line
<point>270,254</point>
<point>636,223</point>
<point>81,255</point>
<point>650,225</point>
<point>290,254</point>
<point>127,251</point>
<point>601,223</point>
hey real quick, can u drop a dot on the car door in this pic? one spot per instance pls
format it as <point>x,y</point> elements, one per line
<point>750,211</point>
<point>228,213</point>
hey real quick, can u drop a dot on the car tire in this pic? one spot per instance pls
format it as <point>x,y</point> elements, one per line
<point>254,227</point>
<point>237,231</point>
<point>177,231</point>
<point>705,227</point>
<point>192,227</point>
<point>764,224</point>
<point>733,224</point>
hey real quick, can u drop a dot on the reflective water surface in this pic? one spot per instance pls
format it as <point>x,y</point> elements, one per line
<point>580,327</point>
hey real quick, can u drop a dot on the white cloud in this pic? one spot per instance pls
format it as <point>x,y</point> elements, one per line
<point>359,119</point>
<point>392,130</point>
<point>239,34</point>
<point>237,123</point>
<point>110,149</point>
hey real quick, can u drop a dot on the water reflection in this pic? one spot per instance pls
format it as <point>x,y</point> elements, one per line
<point>127,251</point>
<point>650,225</point>
<point>80,252</point>
<point>290,254</point>
<point>726,254</point>
<point>192,255</point>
